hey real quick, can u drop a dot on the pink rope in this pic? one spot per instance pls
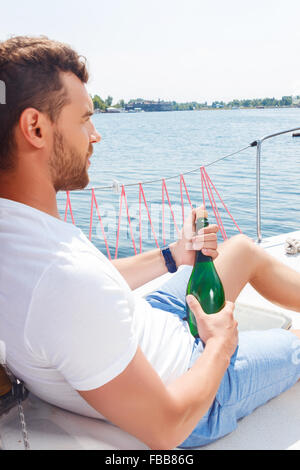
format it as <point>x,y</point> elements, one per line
<point>140,217</point>
<point>164,187</point>
<point>123,195</point>
<point>224,205</point>
<point>202,186</point>
<point>68,204</point>
<point>217,211</point>
<point>101,224</point>
<point>181,196</point>
<point>187,193</point>
<point>149,217</point>
<point>129,221</point>
<point>118,231</point>
<point>219,222</point>
<point>206,184</point>
<point>163,212</point>
<point>215,204</point>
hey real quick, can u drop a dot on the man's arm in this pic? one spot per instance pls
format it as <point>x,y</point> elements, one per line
<point>163,416</point>
<point>142,268</point>
<point>160,416</point>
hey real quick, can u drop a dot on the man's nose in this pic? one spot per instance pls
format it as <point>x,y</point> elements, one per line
<point>95,137</point>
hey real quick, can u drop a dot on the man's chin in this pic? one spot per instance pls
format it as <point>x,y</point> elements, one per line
<point>74,185</point>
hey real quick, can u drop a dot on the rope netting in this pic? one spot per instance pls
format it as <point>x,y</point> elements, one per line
<point>209,191</point>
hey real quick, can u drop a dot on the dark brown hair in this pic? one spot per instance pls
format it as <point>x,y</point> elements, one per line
<point>30,69</point>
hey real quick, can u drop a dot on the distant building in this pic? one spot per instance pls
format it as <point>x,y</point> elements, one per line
<point>217,104</point>
<point>113,110</point>
<point>149,106</point>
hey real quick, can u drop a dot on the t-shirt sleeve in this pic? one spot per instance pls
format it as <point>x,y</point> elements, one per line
<point>80,323</point>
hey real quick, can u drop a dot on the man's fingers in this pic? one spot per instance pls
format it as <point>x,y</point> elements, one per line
<point>212,253</point>
<point>213,228</point>
<point>206,246</point>
<point>229,306</point>
<point>205,237</point>
<point>228,309</point>
<point>198,244</point>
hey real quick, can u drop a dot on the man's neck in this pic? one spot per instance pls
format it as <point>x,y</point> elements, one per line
<point>39,195</point>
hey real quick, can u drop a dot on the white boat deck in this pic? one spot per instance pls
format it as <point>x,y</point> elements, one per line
<point>276,425</point>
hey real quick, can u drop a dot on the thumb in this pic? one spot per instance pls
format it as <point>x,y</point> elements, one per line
<point>195,306</point>
<point>189,225</point>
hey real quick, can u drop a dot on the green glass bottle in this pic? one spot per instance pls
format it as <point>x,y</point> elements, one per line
<point>204,282</point>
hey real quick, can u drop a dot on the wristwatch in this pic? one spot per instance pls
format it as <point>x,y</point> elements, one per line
<point>169,260</point>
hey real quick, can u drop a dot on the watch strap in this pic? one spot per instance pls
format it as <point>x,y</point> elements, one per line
<point>169,260</point>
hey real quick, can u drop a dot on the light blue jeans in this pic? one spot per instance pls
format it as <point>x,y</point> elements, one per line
<point>265,364</point>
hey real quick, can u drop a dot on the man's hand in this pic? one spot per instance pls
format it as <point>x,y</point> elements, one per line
<point>184,249</point>
<point>142,268</point>
<point>220,326</point>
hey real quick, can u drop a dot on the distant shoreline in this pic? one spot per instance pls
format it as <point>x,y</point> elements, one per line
<point>138,105</point>
<point>209,108</point>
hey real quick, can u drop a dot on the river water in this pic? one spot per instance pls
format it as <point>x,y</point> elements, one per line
<point>148,146</point>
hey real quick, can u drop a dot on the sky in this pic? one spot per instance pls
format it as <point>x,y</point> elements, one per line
<point>187,50</point>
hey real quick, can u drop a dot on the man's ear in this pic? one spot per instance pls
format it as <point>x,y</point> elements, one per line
<point>32,124</point>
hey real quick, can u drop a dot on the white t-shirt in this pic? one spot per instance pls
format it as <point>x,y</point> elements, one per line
<point>68,318</point>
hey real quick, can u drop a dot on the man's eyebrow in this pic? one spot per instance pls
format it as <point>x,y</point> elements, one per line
<point>88,114</point>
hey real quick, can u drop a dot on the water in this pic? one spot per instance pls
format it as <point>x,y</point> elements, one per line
<point>146,146</point>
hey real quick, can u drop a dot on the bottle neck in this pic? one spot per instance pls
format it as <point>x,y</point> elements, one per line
<point>201,222</point>
<point>201,258</point>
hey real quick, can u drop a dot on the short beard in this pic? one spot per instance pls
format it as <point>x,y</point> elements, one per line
<point>67,167</point>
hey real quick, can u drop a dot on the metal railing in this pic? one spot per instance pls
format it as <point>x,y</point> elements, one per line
<point>258,143</point>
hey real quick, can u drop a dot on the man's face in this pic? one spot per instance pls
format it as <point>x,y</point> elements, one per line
<point>73,136</point>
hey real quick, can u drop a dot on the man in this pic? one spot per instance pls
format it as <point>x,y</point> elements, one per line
<point>74,331</point>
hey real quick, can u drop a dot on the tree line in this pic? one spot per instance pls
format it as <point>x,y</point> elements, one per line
<point>256,102</point>
<point>102,104</point>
